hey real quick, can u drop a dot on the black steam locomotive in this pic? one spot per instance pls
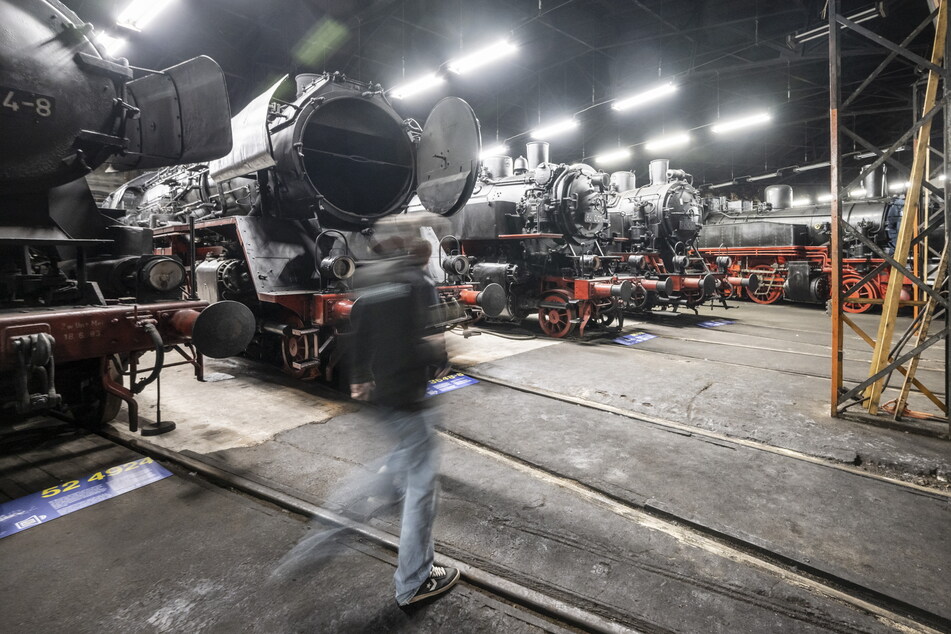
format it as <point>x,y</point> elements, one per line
<point>567,242</point>
<point>83,297</point>
<point>787,244</point>
<point>282,222</point>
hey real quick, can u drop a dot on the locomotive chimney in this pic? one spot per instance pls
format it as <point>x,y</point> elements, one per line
<point>875,182</point>
<point>658,171</point>
<point>498,166</point>
<point>779,196</point>
<point>623,181</point>
<point>537,153</point>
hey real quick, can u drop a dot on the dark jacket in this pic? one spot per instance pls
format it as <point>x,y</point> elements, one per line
<point>389,324</point>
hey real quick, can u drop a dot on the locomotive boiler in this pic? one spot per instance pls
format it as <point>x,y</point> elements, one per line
<point>788,246</point>
<point>82,296</point>
<point>283,221</point>
<point>657,225</point>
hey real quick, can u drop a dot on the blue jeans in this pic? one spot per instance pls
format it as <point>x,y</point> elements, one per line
<point>415,462</point>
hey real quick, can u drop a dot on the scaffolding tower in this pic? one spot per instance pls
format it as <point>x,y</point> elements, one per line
<point>924,214</point>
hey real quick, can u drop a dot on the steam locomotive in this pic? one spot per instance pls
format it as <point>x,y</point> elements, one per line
<point>658,224</point>
<point>83,297</point>
<point>562,240</point>
<point>787,245</point>
<point>283,221</point>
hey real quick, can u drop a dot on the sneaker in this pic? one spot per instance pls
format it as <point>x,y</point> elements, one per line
<point>440,580</point>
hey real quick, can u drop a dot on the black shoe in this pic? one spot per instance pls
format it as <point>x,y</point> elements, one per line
<point>440,580</point>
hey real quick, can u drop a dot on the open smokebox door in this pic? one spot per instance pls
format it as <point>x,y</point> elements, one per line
<point>447,158</point>
<point>184,117</point>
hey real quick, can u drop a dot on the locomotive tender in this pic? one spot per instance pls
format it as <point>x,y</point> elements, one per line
<point>82,297</point>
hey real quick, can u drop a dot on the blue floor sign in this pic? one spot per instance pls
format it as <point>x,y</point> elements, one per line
<point>45,506</point>
<point>713,323</point>
<point>448,384</point>
<point>634,338</point>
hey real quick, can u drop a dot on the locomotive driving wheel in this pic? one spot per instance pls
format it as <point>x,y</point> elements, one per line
<point>770,288</point>
<point>555,315</point>
<point>866,291</point>
<point>607,312</point>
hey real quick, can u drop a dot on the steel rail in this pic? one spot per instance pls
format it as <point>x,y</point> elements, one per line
<point>699,431</point>
<point>254,486</point>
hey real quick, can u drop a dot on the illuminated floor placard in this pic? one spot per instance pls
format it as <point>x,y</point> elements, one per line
<point>448,384</point>
<point>67,497</point>
<point>634,338</point>
<point>713,323</point>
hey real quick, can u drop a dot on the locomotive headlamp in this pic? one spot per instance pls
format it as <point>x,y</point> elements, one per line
<point>162,274</point>
<point>337,267</point>
<point>724,262</point>
<point>456,264</point>
<point>590,263</point>
<point>637,262</point>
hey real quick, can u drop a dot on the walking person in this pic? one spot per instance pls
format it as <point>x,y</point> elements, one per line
<point>393,352</point>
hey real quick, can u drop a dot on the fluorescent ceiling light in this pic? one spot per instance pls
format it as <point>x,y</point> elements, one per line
<point>644,97</point>
<point>416,86</point>
<point>613,157</point>
<point>763,177</point>
<point>824,198</point>
<point>495,150</point>
<point>814,166</point>
<point>138,13</point>
<point>555,128</point>
<point>673,140</point>
<point>823,31</point>
<point>482,57</point>
<point>111,44</point>
<point>721,185</point>
<point>866,155</point>
<point>899,187</point>
<point>801,202</point>
<point>940,178</point>
<point>743,122</point>
<point>857,192</point>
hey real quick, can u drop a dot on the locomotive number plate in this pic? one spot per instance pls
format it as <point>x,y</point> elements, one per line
<point>19,103</point>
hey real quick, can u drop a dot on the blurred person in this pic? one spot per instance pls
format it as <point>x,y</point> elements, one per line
<point>394,351</point>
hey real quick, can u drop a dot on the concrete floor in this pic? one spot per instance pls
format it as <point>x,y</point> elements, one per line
<point>571,501</point>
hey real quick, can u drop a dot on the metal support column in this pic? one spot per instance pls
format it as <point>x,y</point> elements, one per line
<point>835,172</point>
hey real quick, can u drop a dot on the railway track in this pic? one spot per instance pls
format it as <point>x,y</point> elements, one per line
<point>576,611</point>
<point>740,346</point>
<point>700,431</point>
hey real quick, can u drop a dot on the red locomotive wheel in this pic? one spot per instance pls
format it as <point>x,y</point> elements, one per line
<point>867,291</point>
<point>556,321</point>
<point>770,289</point>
